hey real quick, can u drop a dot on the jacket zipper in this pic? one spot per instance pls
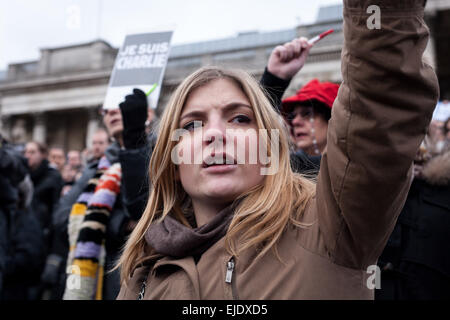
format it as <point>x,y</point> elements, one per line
<point>143,287</point>
<point>141,293</point>
<point>229,278</point>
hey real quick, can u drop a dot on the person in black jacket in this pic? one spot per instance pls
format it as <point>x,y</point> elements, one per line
<point>3,240</point>
<point>25,257</point>
<point>9,166</point>
<point>22,258</point>
<point>415,264</point>
<point>47,184</point>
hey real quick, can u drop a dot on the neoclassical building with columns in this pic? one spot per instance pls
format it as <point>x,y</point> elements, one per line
<point>56,99</point>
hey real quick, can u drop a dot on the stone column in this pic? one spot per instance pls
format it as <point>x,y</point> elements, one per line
<point>39,128</point>
<point>18,132</point>
<point>92,125</point>
<point>5,126</point>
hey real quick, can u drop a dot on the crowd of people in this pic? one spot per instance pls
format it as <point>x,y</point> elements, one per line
<point>359,183</point>
<point>49,174</point>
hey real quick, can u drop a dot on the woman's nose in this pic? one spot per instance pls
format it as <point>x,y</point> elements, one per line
<point>111,112</point>
<point>215,131</point>
<point>298,120</point>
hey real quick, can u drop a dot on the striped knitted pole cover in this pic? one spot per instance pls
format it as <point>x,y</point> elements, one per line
<point>87,228</point>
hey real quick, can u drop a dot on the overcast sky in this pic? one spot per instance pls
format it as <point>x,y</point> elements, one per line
<point>26,25</point>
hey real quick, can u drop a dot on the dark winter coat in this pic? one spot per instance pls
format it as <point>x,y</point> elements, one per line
<point>416,261</point>
<point>3,244</point>
<point>8,199</point>
<point>8,202</point>
<point>25,259</point>
<point>47,183</point>
<point>21,239</point>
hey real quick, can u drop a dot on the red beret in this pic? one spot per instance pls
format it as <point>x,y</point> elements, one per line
<point>324,92</point>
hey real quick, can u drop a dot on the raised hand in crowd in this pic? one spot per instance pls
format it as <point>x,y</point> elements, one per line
<point>286,60</point>
<point>134,115</point>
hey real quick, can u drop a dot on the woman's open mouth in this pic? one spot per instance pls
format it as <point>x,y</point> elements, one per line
<point>217,164</point>
<point>114,121</point>
<point>300,135</point>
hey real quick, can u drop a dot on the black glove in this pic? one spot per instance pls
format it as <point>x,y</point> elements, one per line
<point>134,115</point>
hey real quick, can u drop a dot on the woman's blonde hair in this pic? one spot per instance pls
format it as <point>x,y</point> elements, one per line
<point>262,213</point>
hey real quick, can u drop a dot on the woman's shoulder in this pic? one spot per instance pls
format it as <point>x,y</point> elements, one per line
<point>306,229</point>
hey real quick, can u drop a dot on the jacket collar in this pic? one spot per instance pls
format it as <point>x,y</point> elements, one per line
<point>147,270</point>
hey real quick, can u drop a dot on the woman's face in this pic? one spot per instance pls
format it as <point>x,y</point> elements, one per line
<point>112,118</point>
<point>216,108</point>
<point>308,129</point>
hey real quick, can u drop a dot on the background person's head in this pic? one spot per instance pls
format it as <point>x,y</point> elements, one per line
<point>57,157</point>
<point>68,173</point>
<point>112,119</point>
<point>221,99</point>
<point>35,153</point>
<point>308,113</point>
<point>100,141</point>
<point>447,129</point>
<point>74,159</point>
<point>86,156</point>
<point>436,130</point>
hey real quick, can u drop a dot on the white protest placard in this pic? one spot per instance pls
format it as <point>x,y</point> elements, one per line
<point>140,63</point>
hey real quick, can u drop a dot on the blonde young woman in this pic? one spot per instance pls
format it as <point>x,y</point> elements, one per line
<point>225,231</point>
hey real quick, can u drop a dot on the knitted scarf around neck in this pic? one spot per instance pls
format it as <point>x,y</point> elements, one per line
<point>171,238</point>
<point>87,229</point>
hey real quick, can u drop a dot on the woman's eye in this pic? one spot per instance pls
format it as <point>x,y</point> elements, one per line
<point>193,125</point>
<point>241,119</point>
<point>306,113</point>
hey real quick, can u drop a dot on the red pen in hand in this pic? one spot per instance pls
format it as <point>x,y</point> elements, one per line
<point>320,36</point>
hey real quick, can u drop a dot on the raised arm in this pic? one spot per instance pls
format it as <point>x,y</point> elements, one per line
<point>379,118</point>
<point>134,158</point>
<point>283,64</point>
